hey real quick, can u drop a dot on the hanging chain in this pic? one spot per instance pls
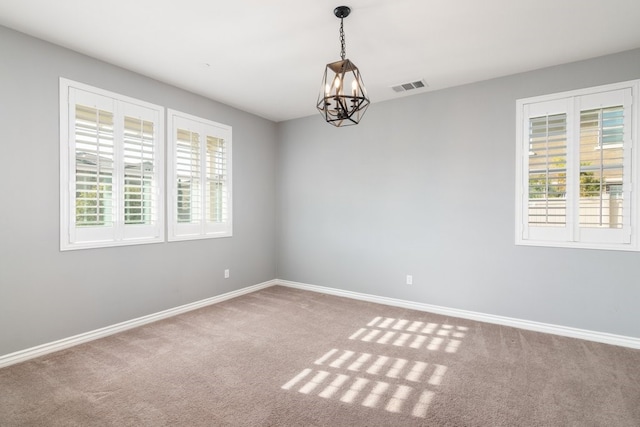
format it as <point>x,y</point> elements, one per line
<point>342,42</point>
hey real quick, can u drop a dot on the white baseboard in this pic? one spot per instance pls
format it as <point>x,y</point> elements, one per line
<point>602,337</point>
<point>41,350</point>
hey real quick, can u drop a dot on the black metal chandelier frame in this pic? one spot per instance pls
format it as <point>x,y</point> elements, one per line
<point>337,107</point>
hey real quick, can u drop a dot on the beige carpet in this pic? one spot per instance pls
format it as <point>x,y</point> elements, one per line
<point>284,357</point>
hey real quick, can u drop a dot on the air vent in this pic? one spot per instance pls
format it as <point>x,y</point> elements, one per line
<point>404,87</point>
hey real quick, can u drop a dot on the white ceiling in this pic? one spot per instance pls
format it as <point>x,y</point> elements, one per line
<point>267,57</point>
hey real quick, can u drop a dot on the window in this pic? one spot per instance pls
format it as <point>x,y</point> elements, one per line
<point>199,183</point>
<point>576,169</point>
<point>111,169</point>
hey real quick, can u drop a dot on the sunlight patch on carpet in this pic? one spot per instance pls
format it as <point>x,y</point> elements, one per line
<point>378,381</point>
<point>415,334</point>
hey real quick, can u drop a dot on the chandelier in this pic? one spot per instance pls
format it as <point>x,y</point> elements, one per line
<point>343,98</point>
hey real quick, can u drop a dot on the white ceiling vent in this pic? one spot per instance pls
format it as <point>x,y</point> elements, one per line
<point>404,87</point>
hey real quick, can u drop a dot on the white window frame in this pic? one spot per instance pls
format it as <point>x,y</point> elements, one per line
<point>202,229</point>
<point>572,235</point>
<point>120,234</point>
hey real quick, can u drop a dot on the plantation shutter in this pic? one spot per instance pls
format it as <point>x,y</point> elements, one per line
<point>113,170</point>
<point>217,184</point>
<point>604,147</point>
<point>187,155</point>
<point>92,137</point>
<point>576,169</point>
<point>200,153</point>
<point>141,161</point>
<point>546,156</point>
<point>94,166</point>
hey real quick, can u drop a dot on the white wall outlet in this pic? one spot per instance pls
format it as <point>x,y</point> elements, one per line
<point>226,273</point>
<point>409,279</point>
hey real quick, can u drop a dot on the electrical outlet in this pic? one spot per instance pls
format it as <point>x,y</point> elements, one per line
<point>226,273</point>
<point>409,279</point>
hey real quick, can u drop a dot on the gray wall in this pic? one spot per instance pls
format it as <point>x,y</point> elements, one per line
<point>46,294</point>
<point>425,186</point>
